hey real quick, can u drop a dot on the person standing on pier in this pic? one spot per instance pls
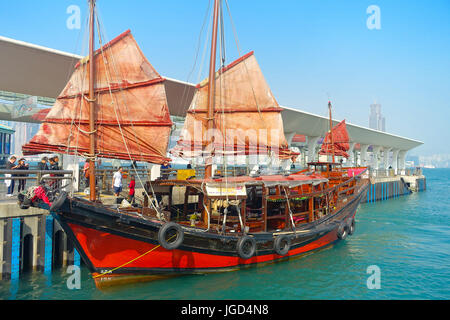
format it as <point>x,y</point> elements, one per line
<point>51,167</point>
<point>54,164</point>
<point>131,187</point>
<point>165,170</point>
<point>22,166</point>
<point>86,172</point>
<point>57,167</point>
<point>10,165</point>
<point>43,166</point>
<point>117,182</point>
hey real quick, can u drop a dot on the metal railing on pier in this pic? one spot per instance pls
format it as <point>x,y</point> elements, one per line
<point>28,178</point>
<point>36,175</point>
<point>385,173</point>
<point>104,178</point>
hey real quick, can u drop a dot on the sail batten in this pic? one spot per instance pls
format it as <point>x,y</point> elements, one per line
<point>247,118</point>
<point>131,117</point>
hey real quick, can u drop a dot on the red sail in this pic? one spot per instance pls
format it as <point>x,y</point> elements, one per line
<point>247,118</point>
<point>132,116</point>
<point>340,141</point>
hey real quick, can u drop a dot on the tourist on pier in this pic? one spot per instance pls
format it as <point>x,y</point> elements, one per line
<point>117,182</point>
<point>51,167</point>
<point>22,166</point>
<point>56,163</point>
<point>54,166</point>
<point>165,170</point>
<point>131,187</point>
<point>86,172</point>
<point>43,164</point>
<point>10,165</point>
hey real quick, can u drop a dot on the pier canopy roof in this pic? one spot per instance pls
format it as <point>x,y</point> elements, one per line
<point>295,120</point>
<point>39,71</point>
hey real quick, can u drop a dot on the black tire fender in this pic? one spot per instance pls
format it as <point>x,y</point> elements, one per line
<point>351,226</point>
<point>165,234</point>
<point>23,206</point>
<point>24,202</point>
<point>246,247</point>
<point>282,245</point>
<point>57,204</point>
<point>342,231</point>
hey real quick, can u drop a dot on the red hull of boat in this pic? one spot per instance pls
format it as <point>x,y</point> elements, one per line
<point>107,251</point>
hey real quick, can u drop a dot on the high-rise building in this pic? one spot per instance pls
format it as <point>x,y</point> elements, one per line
<point>376,119</point>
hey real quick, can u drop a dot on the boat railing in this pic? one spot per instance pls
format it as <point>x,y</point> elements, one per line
<point>199,172</point>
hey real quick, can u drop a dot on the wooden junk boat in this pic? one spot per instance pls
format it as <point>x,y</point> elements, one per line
<point>197,225</point>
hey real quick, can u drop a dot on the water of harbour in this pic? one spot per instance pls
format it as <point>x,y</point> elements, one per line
<point>407,238</point>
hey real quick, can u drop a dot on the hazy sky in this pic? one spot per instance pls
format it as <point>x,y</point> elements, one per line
<point>309,51</point>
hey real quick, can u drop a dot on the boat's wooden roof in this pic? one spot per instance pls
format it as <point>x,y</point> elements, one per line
<point>301,178</point>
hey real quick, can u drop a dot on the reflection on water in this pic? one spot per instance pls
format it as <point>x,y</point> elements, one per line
<point>408,238</point>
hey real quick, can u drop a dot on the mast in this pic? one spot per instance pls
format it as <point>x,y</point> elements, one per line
<point>92,193</point>
<point>331,130</point>
<point>211,92</point>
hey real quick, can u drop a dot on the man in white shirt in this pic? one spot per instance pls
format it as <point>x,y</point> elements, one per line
<point>117,182</point>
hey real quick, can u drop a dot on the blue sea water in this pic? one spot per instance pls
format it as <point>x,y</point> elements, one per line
<point>407,238</point>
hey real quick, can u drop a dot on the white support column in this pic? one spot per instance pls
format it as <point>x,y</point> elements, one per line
<point>72,163</point>
<point>364,160</point>
<point>395,160</point>
<point>154,171</point>
<point>375,153</point>
<point>386,152</point>
<point>401,161</point>
<point>289,136</point>
<point>312,145</point>
<point>351,152</point>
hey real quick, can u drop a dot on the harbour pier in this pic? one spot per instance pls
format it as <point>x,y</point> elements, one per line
<point>385,184</point>
<point>31,240</point>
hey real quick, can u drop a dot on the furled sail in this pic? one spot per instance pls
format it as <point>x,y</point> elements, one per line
<point>132,115</point>
<point>247,118</point>
<point>340,141</point>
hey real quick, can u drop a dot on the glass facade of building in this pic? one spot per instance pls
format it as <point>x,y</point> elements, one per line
<point>5,143</point>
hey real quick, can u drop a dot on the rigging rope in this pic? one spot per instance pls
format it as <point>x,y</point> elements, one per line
<point>156,207</point>
<point>269,153</point>
<point>184,96</point>
<point>127,263</point>
<point>290,212</point>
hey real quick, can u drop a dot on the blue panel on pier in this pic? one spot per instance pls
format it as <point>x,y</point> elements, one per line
<point>48,243</point>
<point>15,249</point>
<point>76,257</point>
<point>368,194</point>
<point>374,192</point>
<point>387,193</point>
<point>396,189</point>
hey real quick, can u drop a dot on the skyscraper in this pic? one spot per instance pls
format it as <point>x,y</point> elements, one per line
<point>376,119</point>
